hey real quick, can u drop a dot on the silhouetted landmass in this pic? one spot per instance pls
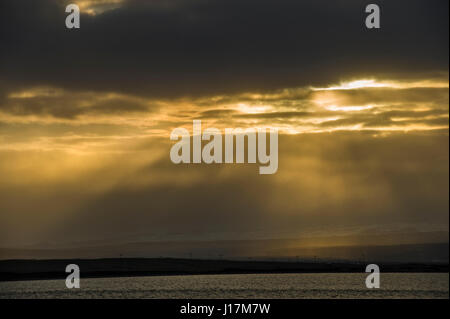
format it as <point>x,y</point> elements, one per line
<point>417,248</point>
<point>128,267</point>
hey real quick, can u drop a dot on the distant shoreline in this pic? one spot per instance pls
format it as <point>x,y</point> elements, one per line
<point>18,270</point>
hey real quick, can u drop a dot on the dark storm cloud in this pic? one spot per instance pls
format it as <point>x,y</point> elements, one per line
<point>197,47</point>
<point>70,106</point>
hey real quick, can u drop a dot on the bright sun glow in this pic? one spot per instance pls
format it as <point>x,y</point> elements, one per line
<point>371,83</point>
<point>253,109</point>
<point>355,85</point>
<point>348,108</point>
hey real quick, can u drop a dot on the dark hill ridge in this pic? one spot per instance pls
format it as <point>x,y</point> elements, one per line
<point>408,248</point>
<point>125,267</point>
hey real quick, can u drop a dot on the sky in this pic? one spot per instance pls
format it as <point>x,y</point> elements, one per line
<point>86,116</point>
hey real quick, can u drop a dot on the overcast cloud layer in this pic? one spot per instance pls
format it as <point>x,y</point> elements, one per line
<point>197,47</point>
<point>86,115</point>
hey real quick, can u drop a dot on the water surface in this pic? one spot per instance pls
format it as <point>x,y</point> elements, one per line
<point>393,285</point>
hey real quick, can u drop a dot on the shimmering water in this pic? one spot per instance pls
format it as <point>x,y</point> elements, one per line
<point>412,285</point>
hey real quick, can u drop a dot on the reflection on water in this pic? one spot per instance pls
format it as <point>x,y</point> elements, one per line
<point>414,285</point>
